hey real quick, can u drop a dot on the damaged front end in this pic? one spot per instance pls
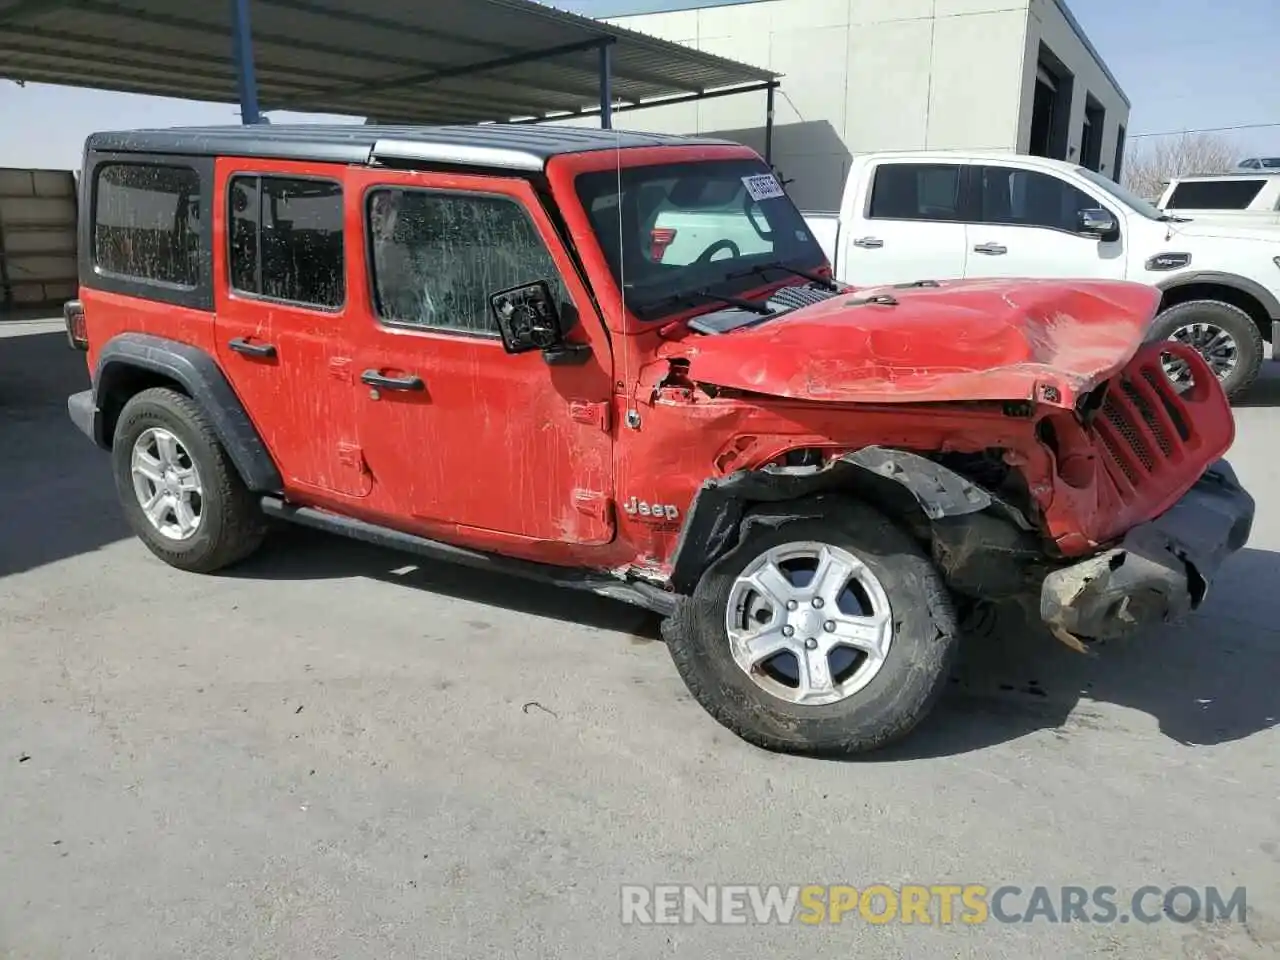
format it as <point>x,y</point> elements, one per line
<point>1161,570</point>
<point>1107,516</point>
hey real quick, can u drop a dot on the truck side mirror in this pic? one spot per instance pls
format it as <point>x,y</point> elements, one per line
<point>1098,223</point>
<point>527,317</point>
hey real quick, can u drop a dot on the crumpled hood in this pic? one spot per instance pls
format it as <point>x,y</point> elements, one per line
<point>1044,340</point>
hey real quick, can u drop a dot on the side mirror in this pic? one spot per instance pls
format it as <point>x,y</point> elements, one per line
<point>529,319</point>
<point>1098,223</point>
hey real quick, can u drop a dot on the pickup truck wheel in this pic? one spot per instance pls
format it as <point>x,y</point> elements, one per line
<point>821,637</point>
<point>181,494</point>
<point>1224,335</point>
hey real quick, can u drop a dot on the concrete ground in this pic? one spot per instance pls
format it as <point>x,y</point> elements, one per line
<point>337,751</point>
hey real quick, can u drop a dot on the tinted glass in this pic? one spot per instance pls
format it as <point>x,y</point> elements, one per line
<point>285,239</point>
<point>1031,199</point>
<point>438,257</point>
<point>915,191</point>
<point>146,222</point>
<point>1234,194</point>
<point>669,229</point>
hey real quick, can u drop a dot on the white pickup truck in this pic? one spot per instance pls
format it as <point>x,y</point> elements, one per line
<point>1244,199</point>
<point>936,216</point>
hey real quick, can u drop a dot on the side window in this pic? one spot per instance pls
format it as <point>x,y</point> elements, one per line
<point>915,191</point>
<point>1232,194</point>
<point>437,257</point>
<point>1031,199</point>
<point>284,240</point>
<point>146,223</point>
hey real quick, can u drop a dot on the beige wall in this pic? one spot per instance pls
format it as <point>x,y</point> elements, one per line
<point>864,75</point>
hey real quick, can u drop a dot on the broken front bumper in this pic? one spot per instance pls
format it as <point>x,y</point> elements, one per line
<point>1161,570</point>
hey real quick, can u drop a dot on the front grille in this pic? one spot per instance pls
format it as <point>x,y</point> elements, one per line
<point>1142,425</point>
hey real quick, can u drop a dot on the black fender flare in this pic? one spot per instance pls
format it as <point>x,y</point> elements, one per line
<point>1270,303</point>
<point>200,377</point>
<point>895,479</point>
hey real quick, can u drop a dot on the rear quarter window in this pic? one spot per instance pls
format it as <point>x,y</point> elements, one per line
<point>1233,194</point>
<point>147,223</point>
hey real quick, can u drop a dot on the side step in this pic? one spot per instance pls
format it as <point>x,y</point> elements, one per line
<point>634,592</point>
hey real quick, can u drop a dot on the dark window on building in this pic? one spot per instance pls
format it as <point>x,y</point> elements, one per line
<point>1233,194</point>
<point>915,191</point>
<point>146,223</point>
<point>1031,199</point>
<point>285,240</point>
<point>1095,118</point>
<point>1115,171</point>
<point>1051,107</point>
<point>438,257</point>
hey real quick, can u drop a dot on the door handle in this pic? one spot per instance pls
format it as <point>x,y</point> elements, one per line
<point>870,243</point>
<point>375,379</point>
<point>241,345</point>
<point>991,249</point>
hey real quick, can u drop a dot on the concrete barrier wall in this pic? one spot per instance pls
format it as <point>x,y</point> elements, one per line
<point>37,237</point>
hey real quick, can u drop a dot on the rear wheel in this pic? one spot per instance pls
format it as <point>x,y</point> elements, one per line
<point>823,637</point>
<point>181,494</point>
<point>1224,335</point>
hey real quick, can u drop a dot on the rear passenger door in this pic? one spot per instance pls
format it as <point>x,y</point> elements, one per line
<point>281,304</point>
<point>908,226</point>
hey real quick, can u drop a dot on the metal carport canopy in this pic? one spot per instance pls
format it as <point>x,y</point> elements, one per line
<point>405,61</point>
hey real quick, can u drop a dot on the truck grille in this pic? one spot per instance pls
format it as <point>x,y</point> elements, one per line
<point>1145,425</point>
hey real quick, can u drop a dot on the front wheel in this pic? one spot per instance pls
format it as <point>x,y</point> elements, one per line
<point>1224,335</point>
<point>819,637</point>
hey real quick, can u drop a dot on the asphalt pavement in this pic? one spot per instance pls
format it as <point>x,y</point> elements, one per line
<point>339,751</point>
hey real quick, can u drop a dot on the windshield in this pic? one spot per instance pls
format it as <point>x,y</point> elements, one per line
<point>1125,196</point>
<point>677,228</point>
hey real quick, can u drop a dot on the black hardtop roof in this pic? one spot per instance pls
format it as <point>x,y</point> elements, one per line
<point>502,146</point>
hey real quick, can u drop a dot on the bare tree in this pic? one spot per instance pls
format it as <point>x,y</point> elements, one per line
<point>1153,164</point>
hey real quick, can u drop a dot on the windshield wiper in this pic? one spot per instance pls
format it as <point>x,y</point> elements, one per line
<point>1170,218</point>
<point>692,298</point>
<point>760,271</point>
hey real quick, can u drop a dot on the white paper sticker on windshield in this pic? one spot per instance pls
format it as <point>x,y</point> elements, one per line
<point>762,186</point>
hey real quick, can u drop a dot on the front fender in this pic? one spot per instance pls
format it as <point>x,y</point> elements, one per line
<point>1270,303</point>
<point>895,480</point>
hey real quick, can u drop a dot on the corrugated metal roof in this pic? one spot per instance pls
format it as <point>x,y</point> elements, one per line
<point>419,61</point>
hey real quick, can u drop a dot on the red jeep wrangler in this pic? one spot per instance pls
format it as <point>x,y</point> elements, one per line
<point>618,362</point>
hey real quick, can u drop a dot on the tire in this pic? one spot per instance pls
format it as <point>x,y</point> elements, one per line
<point>1231,320</point>
<point>922,646</point>
<point>229,526</point>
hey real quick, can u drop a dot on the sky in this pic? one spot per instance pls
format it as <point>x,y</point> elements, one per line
<point>1185,64</point>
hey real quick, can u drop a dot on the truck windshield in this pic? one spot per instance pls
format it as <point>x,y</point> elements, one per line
<point>675,228</point>
<point>1125,196</point>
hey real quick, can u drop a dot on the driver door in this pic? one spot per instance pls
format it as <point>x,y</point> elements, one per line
<point>456,431</point>
<point>1028,226</point>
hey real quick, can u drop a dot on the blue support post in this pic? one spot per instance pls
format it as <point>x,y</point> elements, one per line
<point>246,78</point>
<point>606,84</point>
